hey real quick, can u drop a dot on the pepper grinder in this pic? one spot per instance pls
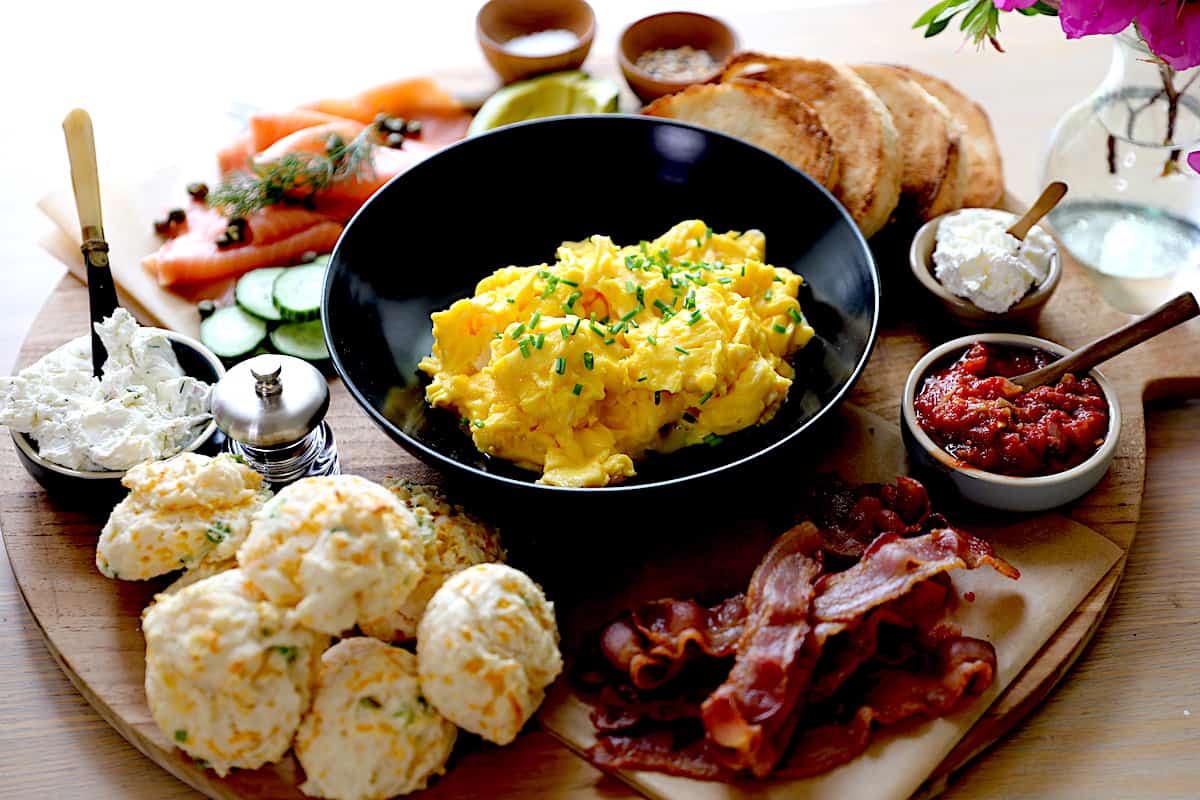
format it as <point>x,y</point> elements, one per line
<point>272,411</point>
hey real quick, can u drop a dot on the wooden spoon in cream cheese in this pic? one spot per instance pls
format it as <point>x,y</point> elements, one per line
<point>1049,198</point>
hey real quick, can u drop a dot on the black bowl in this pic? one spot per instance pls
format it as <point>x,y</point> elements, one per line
<point>512,196</point>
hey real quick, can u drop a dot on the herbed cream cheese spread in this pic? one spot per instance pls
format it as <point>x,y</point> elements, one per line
<point>142,408</point>
<point>977,259</point>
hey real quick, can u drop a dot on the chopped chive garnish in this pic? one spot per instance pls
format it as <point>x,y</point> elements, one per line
<point>541,273</point>
<point>664,255</point>
<point>575,330</point>
<point>704,399</point>
<point>712,439</point>
<point>641,296</point>
<point>690,300</point>
<point>524,345</point>
<point>724,281</point>
<point>498,335</point>
<point>768,294</point>
<point>633,323</point>
<point>643,245</point>
<point>743,270</point>
<point>560,365</point>
<point>780,328</point>
<point>699,243</point>
<point>681,350</point>
<point>795,315</point>
<point>535,319</point>
<point>589,360</point>
<point>539,341</point>
<point>596,329</point>
<point>578,389</point>
<point>568,282</point>
<point>652,340</point>
<point>661,306</point>
<point>609,340</point>
<point>181,735</point>
<point>658,397</point>
<point>707,234</point>
<point>574,296</point>
<point>642,379</point>
<point>517,331</point>
<point>628,315</point>
<point>688,417</point>
<point>510,300</point>
<point>480,423</point>
<point>692,320</point>
<point>629,287</point>
<point>369,702</point>
<point>564,330</point>
<point>778,279</point>
<point>630,261</point>
<point>616,328</point>
<point>551,287</point>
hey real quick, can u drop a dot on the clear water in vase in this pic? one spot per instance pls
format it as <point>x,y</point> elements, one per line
<point>1133,212</point>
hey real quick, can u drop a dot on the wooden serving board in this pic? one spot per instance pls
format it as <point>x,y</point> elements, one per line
<point>91,624</point>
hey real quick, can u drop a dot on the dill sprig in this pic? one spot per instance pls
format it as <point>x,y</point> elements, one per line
<point>295,177</point>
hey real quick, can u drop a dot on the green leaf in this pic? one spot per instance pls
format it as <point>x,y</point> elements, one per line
<point>935,28</point>
<point>974,14</point>
<point>932,12</point>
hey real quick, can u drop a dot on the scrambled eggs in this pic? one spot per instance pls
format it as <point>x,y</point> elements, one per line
<point>227,678</point>
<point>487,648</point>
<point>454,540</point>
<point>370,734</point>
<point>579,367</point>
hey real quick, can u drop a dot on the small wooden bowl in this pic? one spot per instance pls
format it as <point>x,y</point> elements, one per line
<point>500,21</point>
<point>1023,314</point>
<point>667,31</point>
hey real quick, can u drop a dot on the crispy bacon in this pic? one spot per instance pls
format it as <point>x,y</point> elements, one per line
<point>965,668</point>
<point>753,714</point>
<point>892,566</point>
<point>851,518</point>
<point>832,655</point>
<point>652,643</point>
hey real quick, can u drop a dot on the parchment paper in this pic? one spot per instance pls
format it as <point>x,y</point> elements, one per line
<point>1060,562</point>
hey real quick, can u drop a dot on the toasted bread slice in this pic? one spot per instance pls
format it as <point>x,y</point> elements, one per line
<point>864,137</point>
<point>761,115</point>
<point>929,141</point>
<point>985,179</point>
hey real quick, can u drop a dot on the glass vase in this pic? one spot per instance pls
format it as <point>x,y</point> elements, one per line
<point>1132,216</point>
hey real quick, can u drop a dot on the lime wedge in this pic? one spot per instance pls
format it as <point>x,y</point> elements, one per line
<point>552,95</point>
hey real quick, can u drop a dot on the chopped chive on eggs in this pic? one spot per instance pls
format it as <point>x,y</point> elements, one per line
<point>577,369</point>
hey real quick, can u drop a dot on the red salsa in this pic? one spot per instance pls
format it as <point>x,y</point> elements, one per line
<point>983,419</point>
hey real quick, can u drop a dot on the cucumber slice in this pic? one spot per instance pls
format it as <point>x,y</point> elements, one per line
<point>230,332</point>
<point>297,292</point>
<point>255,292</point>
<point>301,339</point>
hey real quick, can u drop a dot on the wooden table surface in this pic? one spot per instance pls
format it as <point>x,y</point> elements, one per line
<point>1124,723</point>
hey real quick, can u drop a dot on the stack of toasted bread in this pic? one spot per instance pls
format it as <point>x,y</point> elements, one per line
<point>888,141</point>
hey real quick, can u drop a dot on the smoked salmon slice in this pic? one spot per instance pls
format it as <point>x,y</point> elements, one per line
<point>412,98</point>
<point>236,156</point>
<point>268,128</point>
<point>278,236</point>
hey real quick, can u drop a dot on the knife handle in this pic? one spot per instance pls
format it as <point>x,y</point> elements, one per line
<point>85,178</point>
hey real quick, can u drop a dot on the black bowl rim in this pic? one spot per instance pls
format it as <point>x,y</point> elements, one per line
<point>435,458</point>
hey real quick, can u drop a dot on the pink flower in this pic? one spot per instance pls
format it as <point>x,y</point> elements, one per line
<point>1090,17</point>
<point>1194,160</point>
<point>1172,31</point>
<point>1013,5</point>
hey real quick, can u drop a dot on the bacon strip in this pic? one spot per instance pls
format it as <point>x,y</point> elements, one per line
<point>892,566</point>
<point>966,668</point>
<point>651,643</point>
<point>658,751</point>
<point>851,518</point>
<point>753,714</point>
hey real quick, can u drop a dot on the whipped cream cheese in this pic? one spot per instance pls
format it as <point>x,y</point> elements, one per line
<point>977,259</point>
<point>142,408</point>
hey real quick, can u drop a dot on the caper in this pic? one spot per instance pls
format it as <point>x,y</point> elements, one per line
<point>413,128</point>
<point>395,124</point>
<point>395,139</point>
<point>177,216</point>
<point>162,226</point>
<point>198,190</point>
<point>206,308</point>
<point>308,257</point>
